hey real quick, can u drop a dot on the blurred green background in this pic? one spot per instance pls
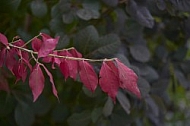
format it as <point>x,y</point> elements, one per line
<point>152,37</point>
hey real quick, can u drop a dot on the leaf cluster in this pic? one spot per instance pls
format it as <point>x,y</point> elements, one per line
<point>151,37</point>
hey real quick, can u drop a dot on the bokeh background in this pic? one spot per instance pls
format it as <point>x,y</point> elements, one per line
<point>152,37</point>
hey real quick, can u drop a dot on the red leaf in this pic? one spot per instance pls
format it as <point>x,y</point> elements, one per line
<point>22,54</point>
<point>27,63</point>
<point>36,44</point>
<point>88,75</point>
<point>73,68</point>
<point>16,71</point>
<point>75,53</point>
<point>113,67</point>
<point>64,68</point>
<point>109,82</point>
<point>47,59</point>
<point>52,82</point>
<point>68,67</point>
<point>128,79</point>
<point>47,46</point>
<point>36,81</point>
<point>10,59</point>
<point>54,60</point>
<point>2,56</point>
<point>20,71</point>
<point>3,39</point>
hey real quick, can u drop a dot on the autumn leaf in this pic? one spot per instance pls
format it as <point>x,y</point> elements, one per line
<point>88,75</point>
<point>10,59</point>
<point>75,53</point>
<point>109,81</point>
<point>36,44</point>
<point>128,79</point>
<point>3,39</point>
<point>52,59</point>
<point>20,71</point>
<point>36,81</point>
<point>52,82</point>
<point>23,55</point>
<point>47,46</point>
<point>69,68</point>
<point>2,56</point>
<point>64,68</point>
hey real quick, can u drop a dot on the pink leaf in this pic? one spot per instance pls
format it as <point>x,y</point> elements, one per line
<point>64,68</point>
<point>36,44</point>
<point>75,53</point>
<point>10,59</point>
<point>109,82</point>
<point>2,56</point>
<point>16,71</point>
<point>47,59</point>
<point>23,54</point>
<point>128,79</point>
<point>47,46</point>
<point>72,64</point>
<point>3,39</point>
<point>20,71</point>
<point>69,67</point>
<point>73,68</point>
<point>88,75</point>
<point>36,81</point>
<point>27,63</point>
<point>52,82</point>
<point>54,60</point>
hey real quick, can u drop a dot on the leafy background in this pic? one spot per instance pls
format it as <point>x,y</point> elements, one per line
<point>152,37</point>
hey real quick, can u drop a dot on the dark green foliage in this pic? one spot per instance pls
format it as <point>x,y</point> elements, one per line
<point>150,36</point>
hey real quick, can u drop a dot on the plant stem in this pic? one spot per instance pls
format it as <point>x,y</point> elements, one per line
<point>65,57</point>
<point>30,40</point>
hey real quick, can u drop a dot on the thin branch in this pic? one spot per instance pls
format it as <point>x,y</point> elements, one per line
<point>58,56</point>
<point>30,40</point>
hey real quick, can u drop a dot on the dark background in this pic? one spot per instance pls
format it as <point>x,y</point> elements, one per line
<point>152,37</point>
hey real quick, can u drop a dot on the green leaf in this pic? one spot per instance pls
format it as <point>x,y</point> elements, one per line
<point>95,115</point>
<point>41,106</point>
<point>182,79</point>
<point>148,72</point>
<point>152,106</point>
<point>55,12</point>
<point>111,3</point>
<point>6,104</point>
<point>63,40</point>
<point>24,115</point>
<point>140,53</point>
<point>161,4</point>
<point>89,93</point>
<point>60,113</point>
<point>84,14</point>
<point>140,13</point>
<point>182,5</point>
<point>38,8</point>
<point>68,18</point>
<point>144,87</point>
<point>56,25</point>
<point>86,39</point>
<point>108,107</point>
<point>123,59</point>
<point>80,119</point>
<point>124,101</point>
<point>91,4</point>
<point>107,46</point>
<point>9,5</point>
